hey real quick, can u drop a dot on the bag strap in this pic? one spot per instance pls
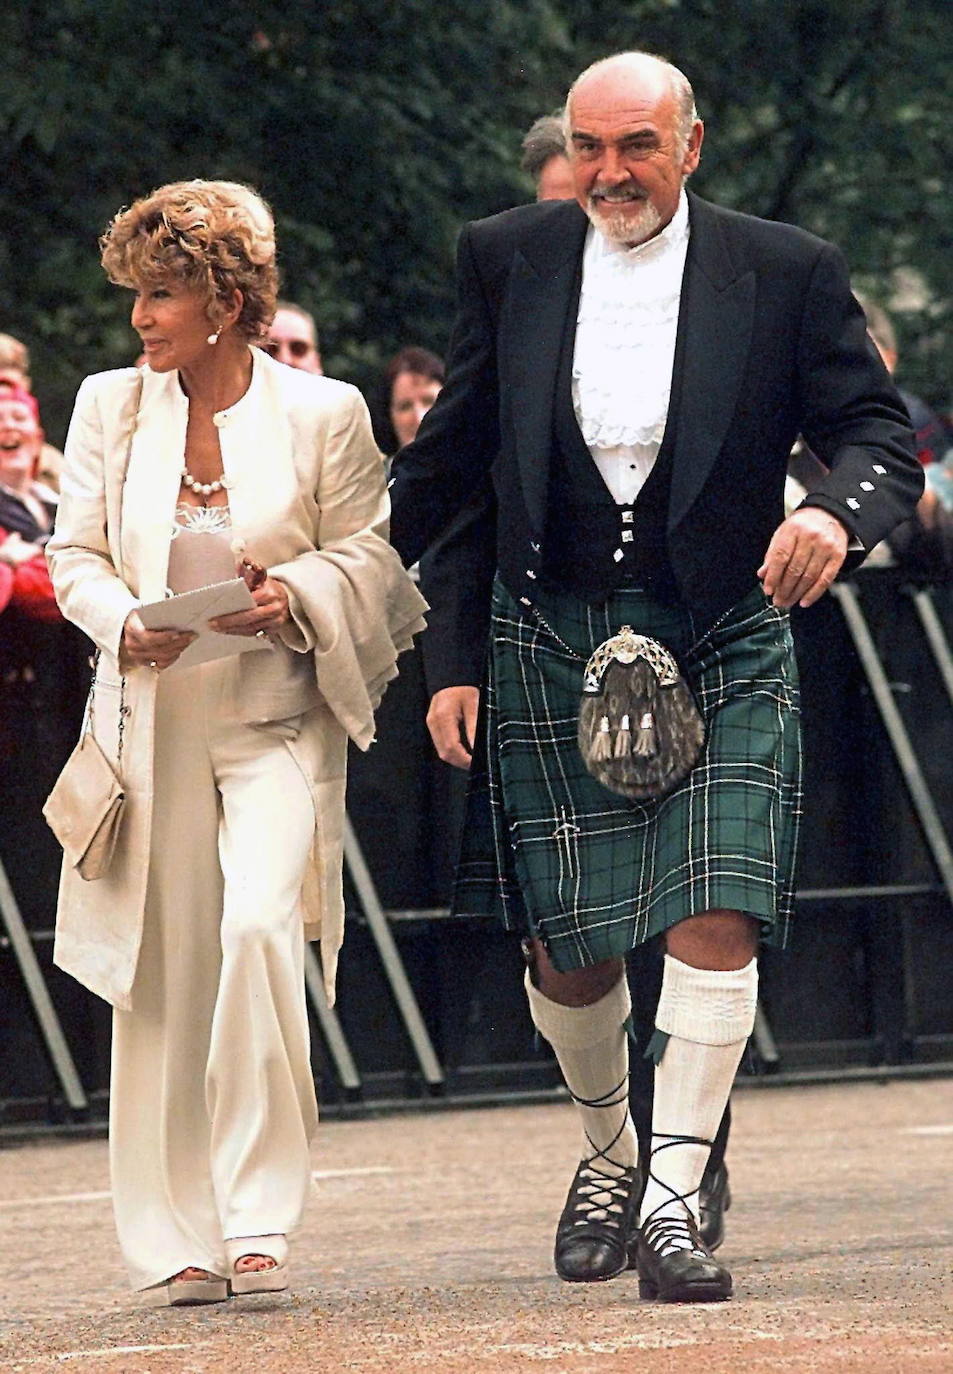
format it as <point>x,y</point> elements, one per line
<point>89,709</point>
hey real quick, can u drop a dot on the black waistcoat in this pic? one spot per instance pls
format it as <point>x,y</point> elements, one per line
<point>594,545</point>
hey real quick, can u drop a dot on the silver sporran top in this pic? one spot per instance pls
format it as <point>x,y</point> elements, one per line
<point>626,647</point>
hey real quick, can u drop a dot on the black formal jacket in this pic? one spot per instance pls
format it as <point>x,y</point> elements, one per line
<point>770,344</point>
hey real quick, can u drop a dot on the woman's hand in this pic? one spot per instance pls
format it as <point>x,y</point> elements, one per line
<point>157,649</point>
<point>268,614</point>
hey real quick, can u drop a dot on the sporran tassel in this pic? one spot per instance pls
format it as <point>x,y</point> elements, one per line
<point>602,743</point>
<point>645,738</point>
<point>623,740</point>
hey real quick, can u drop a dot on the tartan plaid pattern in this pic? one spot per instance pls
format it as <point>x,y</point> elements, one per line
<point>591,873</point>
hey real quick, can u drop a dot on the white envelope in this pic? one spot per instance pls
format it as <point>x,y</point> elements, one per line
<point>193,610</point>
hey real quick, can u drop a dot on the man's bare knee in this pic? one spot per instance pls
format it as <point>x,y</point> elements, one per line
<point>578,988</point>
<point>717,939</point>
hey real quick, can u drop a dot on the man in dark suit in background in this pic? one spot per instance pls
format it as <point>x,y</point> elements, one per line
<point>626,378</point>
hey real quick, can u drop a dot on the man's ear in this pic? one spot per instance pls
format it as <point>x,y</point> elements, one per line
<point>694,150</point>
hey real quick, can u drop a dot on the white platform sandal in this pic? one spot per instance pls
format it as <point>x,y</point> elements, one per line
<point>272,1280</point>
<point>176,1292</point>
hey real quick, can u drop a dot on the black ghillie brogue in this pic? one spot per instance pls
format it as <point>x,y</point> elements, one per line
<point>688,1274</point>
<point>674,1263</point>
<point>598,1229</point>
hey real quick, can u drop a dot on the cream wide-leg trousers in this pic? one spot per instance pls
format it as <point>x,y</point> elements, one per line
<point>212,1101</point>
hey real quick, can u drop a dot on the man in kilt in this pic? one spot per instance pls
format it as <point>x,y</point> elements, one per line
<point>627,376</point>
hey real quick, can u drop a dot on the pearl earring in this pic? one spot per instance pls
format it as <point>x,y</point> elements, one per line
<point>213,338</point>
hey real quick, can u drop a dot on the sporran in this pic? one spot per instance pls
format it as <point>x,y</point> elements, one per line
<point>640,731</point>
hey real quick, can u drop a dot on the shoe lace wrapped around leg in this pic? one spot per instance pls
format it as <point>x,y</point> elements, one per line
<point>663,1230</point>
<point>603,1187</point>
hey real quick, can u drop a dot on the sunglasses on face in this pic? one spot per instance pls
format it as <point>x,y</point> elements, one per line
<point>298,348</point>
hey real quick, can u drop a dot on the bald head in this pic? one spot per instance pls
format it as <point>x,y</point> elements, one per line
<point>632,137</point>
<point>640,68</point>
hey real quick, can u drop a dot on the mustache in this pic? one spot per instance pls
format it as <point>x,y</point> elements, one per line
<point>627,192</point>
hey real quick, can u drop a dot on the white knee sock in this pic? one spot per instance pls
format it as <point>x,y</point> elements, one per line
<point>708,1016</point>
<point>592,1048</point>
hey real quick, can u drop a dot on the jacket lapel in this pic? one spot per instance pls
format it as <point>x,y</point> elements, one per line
<point>542,290</point>
<point>258,459</point>
<point>152,484</point>
<point>714,332</point>
<point>259,463</point>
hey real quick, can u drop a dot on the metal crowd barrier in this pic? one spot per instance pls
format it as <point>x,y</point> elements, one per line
<point>21,942</point>
<point>48,1025</point>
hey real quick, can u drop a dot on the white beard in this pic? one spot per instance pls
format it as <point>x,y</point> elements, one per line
<point>620,225</point>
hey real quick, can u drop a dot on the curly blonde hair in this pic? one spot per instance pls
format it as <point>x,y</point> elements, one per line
<point>212,236</point>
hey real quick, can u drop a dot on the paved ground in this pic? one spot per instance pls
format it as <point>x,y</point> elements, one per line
<point>429,1252</point>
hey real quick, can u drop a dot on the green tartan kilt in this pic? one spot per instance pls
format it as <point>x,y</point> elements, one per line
<point>557,855</point>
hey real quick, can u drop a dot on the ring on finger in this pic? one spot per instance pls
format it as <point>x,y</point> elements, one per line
<point>260,634</point>
<point>153,665</point>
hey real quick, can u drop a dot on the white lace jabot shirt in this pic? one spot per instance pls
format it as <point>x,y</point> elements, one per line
<point>625,349</point>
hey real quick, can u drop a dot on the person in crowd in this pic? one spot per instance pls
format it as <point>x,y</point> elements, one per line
<point>43,667</point>
<point>628,375</point>
<point>545,160</point>
<point>233,767</point>
<point>15,373</point>
<point>939,477</point>
<point>14,362</point>
<point>26,504</point>
<point>927,426</point>
<point>410,384</point>
<point>293,338</point>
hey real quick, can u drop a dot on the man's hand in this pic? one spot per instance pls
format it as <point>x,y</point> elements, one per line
<point>156,649</point>
<point>451,721</point>
<point>804,557</point>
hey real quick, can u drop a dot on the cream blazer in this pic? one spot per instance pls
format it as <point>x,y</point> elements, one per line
<point>307,495</point>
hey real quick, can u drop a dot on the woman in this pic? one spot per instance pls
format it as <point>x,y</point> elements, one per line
<point>410,384</point>
<point>233,769</point>
<point>43,662</point>
<point>15,376</point>
<point>27,507</point>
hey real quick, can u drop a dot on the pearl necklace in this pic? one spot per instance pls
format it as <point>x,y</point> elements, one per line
<point>203,488</point>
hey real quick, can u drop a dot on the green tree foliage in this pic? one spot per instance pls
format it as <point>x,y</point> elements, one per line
<point>376,128</point>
